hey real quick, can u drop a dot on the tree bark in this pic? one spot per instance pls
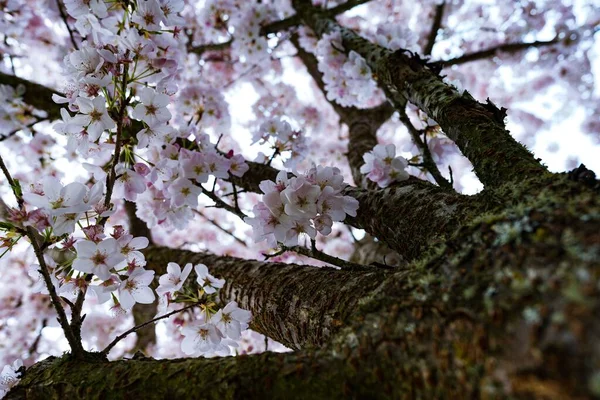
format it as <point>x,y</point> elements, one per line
<point>509,308</point>
<point>294,304</point>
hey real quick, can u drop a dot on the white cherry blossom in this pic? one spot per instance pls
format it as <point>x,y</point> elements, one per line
<point>135,289</point>
<point>97,258</point>
<point>174,279</point>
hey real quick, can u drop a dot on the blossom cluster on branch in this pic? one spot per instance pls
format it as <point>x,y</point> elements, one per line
<point>304,204</point>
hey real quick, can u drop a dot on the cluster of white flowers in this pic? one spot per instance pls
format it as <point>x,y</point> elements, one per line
<point>283,140</point>
<point>348,80</point>
<point>176,175</point>
<point>205,105</point>
<point>249,44</point>
<point>10,376</point>
<point>383,167</point>
<point>305,204</point>
<point>61,207</point>
<point>212,332</point>
<point>396,36</point>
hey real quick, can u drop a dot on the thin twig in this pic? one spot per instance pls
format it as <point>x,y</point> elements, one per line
<point>436,25</point>
<point>64,17</point>
<point>123,335</point>
<point>220,203</point>
<point>428,161</point>
<point>31,124</point>
<point>506,48</point>
<point>112,176</point>
<point>33,348</point>
<point>218,226</point>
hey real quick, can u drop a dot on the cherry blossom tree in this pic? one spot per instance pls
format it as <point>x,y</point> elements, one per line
<point>300,199</point>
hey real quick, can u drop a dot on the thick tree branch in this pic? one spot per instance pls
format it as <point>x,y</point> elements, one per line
<point>477,129</point>
<point>294,304</point>
<point>36,95</point>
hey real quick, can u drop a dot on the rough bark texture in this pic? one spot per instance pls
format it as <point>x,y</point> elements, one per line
<point>296,305</point>
<point>477,129</point>
<point>509,308</point>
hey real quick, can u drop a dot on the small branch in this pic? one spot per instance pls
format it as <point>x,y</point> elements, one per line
<point>112,176</point>
<point>64,17</point>
<point>76,318</point>
<point>12,184</point>
<point>437,23</point>
<point>428,161</point>
<point>219,227</point>
<point>221,204</point>
<point>123,335</point>
<point>506,48</point>
<point>33,348</point>
<point>31,124</point>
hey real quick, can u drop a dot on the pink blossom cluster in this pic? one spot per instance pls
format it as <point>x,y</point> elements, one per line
<point>383,167</point>
<point>175,179</point>
<point>348,79</point>
<point>211,332</point>
<point>204,105</point>
<point>283,140</point>
<point>139,53</point>
<point>60,207</point>
<point>249,45</point>
<point>305,204</point>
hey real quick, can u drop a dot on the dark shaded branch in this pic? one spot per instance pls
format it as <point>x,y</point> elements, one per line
<point>411,215</point>
<point>294,20</point>
<point>221,204</point>
<point>37,95</point>
<point>201,49</point>
<point>496,50</point>
<point>293,304</point>
<point>260,376</point>
<point>477,129</point>
<point>435,27</point>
